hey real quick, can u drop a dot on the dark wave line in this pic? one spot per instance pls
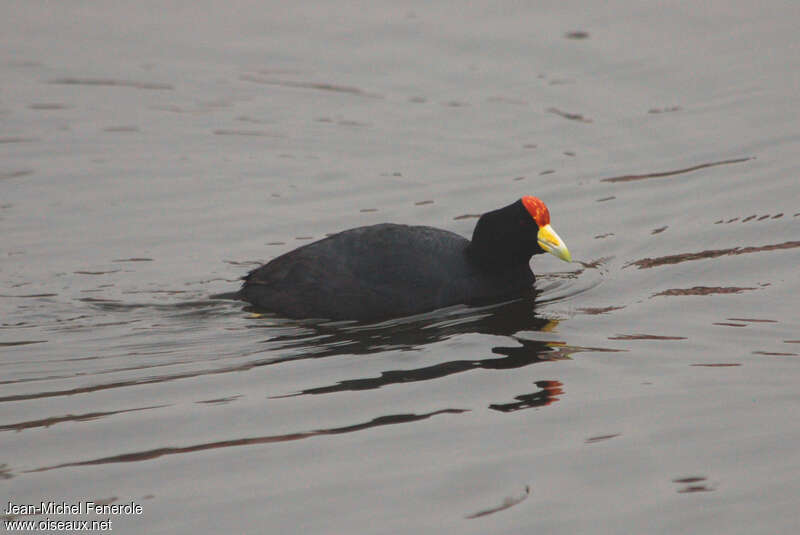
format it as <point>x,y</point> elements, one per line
<point>47,422</point>
<point>269,439</point>
<point>704,290</point>
<point>319,86</point>
<point>511,501</point>
<point>646,263</point>
<point>631,178</point>
<point>111,83</point>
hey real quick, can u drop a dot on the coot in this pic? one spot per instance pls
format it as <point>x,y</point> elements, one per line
<point>381,271</point>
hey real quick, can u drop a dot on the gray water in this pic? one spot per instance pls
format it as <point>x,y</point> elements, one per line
<point>153,153</point>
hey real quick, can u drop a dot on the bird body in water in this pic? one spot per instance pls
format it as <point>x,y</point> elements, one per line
<point>388,270</point>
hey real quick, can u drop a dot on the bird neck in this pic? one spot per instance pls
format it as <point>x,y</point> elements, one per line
<point>503,239</point>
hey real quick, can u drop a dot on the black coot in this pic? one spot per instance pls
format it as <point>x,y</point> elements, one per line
<point>387,270</point>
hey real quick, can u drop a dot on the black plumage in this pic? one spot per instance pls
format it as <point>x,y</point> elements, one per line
<point>388,270</point>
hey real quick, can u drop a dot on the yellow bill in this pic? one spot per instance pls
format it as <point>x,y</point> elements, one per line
<point>551,243</point>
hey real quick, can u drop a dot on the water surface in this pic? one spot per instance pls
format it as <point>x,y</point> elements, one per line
<point>152,155</point>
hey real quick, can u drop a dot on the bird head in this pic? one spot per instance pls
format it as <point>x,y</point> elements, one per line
<point>547,238</point>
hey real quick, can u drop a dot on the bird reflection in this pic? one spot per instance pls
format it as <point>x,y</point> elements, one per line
<point>317,340</point>
<point>545,396</point>
<point>530,352</point>
<point>507,319</point>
